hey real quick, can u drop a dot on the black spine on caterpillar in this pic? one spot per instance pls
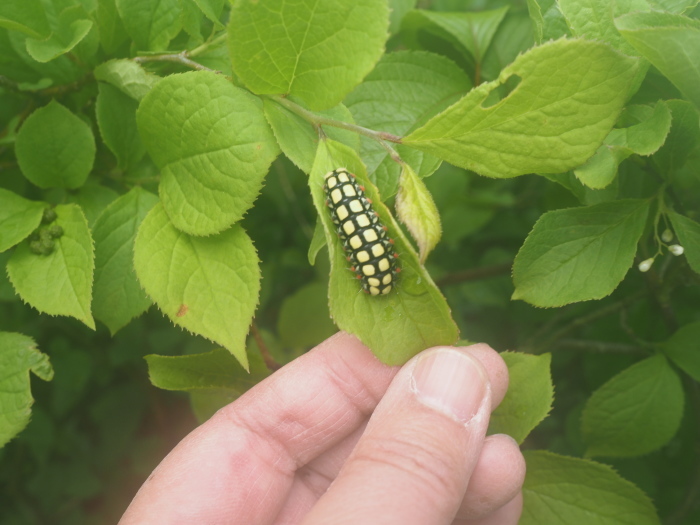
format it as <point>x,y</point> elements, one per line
<point>365,241</point>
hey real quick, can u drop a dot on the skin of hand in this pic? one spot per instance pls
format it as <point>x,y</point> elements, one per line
<point>336,437</point>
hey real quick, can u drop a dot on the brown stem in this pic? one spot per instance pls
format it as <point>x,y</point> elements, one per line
<point>264,351</point>
<point>474,274</point>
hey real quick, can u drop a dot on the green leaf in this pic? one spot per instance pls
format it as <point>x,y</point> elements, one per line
<point>537,128</point>
<point>72,26</point>
<point>212,10</point>
<point>304,320</point>
<point>213,379</point>
<point>128,76</point>
<point>470,32</point>
<point>529,398</point>
<point>416,209</point>
<point>415,315</point>
<point>299,140</point>
<point>397,10</point>
<point>26,16</point>
<point>318,241</point>
<point>682,140</point>
<point>642,138</point>
<point>673,6</point>
<point>317,50</point>
<point>118,297</point>
<point>55,148</point>
<point>110,27</point>
<point>59,282</point>
<point>213,145</point>
<point>151,24</point>
<point>548,22</point>
<point>93,198</point>
<point>207,285</point>
<point>594,19</point>
<point>683,348</point>
<point>671,43</point>
<point>579,254</point>
<point>572,491</point>
<point>403,91</point>
<point>116,117</point>
<point>688,232</point>
<point>637,411</point>
<point>18,356</point>
<point>18,218</point>
<point>209,370</point>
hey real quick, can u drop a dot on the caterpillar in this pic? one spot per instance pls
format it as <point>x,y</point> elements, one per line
<point>365,241</point>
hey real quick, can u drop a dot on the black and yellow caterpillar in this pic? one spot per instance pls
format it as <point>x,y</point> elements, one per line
<point>365,241</point>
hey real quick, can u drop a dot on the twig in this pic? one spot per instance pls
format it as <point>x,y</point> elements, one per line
<point>264,351</point>
<point>178,58</point>
<point>600,346</point>
<point>585,319</point>
<point>319,120</point>
<point>474,274</point>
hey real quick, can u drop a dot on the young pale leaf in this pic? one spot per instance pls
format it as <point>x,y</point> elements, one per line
<point>59,282</point>
<point>298,139</point>
<point>18,356</point>
<point>72,26</point>
<point>404,90</point>
<point>317,50</point>
<point>152,24</point>
<point>637,411</point>
<point>688,232</point>
<point>304,320</point>
<point>110,27</point>
<point>529,397</point>
<point>116,117</point>
<point>683,138</point>
<point>416,209</point>
<point>55,148</point>
<point>578,254</point>
<point>573,491</point>
<point>118,297</point>
<point>569,96</point>
<point>210,370</point>
<point>18,218</point>
<point>27,16</point>
<point>683,348</point>
<point>207,285</point>
<point>547,20</point>
<point>643,138</point>
<point>213,145</point>
<point>471,32</point>
<point>128,76</point>
<point>671,43</point>
<point>415,315</point>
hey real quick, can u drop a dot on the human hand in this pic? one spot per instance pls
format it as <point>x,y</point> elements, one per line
<point>336,437</point>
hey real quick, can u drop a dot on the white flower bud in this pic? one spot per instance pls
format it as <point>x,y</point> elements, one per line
<point>676,249</point>
<point>667,235</point>
<point>646,264</point>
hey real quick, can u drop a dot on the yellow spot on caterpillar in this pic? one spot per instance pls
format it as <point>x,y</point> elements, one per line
<point>368,269</point>
<point>348,227</point>
<point>384,264</point>
<point>355,205</point>
<point>362,256</point>
<point>378,250</point>
<point>370,235</point>
<point>336,196</point>
<point>362,220</point>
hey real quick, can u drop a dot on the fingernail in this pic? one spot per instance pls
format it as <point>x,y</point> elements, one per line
<point>450,381</point>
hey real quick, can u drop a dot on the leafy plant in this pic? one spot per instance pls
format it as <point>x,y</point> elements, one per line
<point>173,153</point>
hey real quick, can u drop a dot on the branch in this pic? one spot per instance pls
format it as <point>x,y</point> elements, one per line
<point>266,355</point>
<point>178,58</point>
<point>319,120</point>
<point>474,274</point>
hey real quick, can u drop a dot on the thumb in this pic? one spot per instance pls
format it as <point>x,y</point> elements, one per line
<point>414,461</point>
